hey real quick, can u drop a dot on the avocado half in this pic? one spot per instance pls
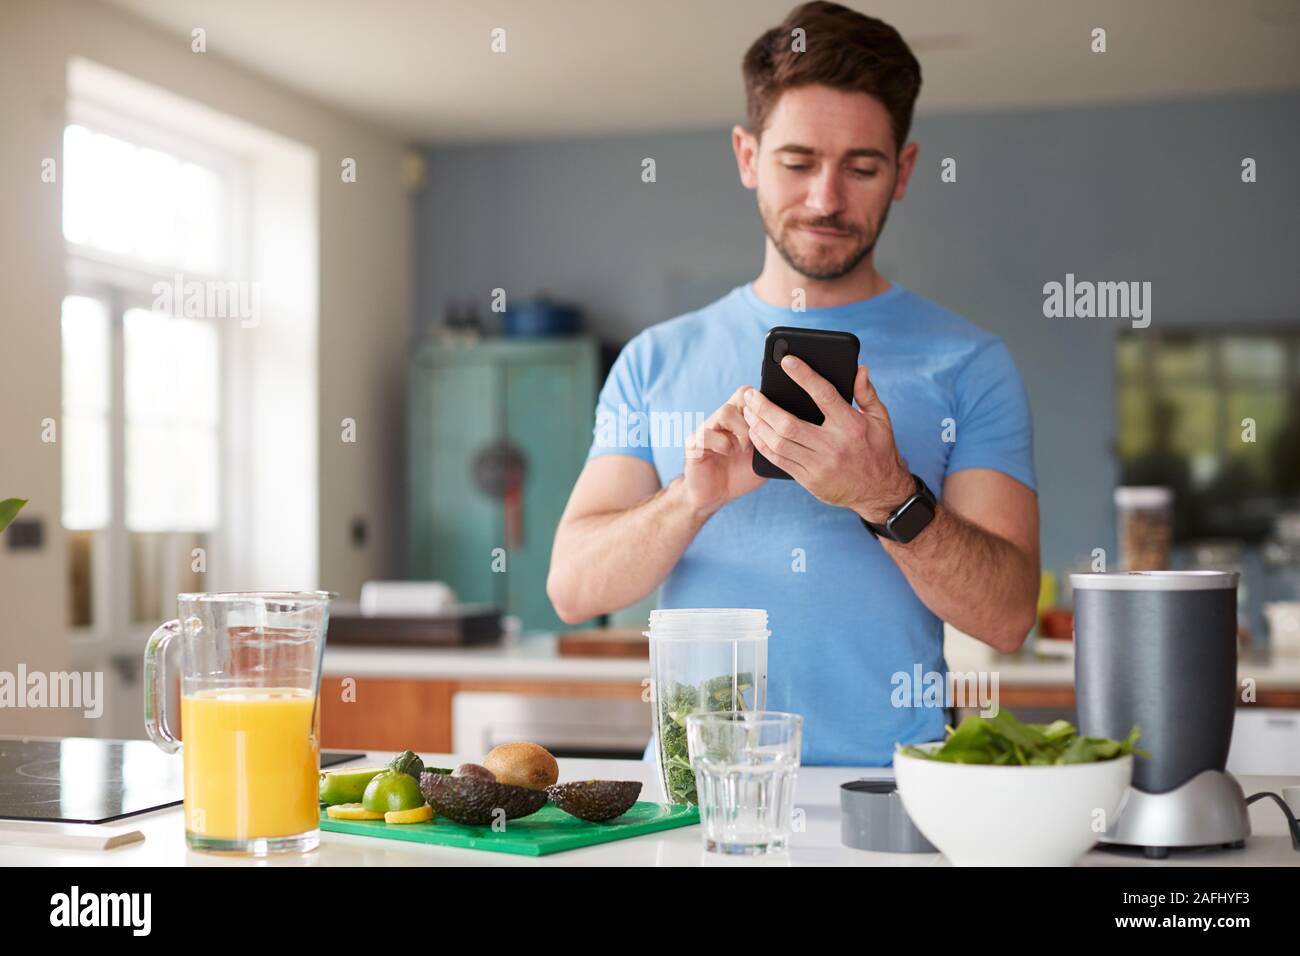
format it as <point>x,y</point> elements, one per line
<point>474,802</point>
<point>597,801</point>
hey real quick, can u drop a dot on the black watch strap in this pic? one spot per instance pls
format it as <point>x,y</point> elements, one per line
<point>883,530</point>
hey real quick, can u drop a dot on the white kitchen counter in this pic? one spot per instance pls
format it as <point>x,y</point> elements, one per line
<point>819,845</point>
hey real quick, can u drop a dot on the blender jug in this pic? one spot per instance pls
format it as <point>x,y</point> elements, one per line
<point>1159,649</point>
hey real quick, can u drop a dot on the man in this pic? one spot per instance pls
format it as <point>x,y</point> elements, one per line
<point>935,398</point>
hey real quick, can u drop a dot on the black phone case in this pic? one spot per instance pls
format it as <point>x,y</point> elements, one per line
<point>832,355</point>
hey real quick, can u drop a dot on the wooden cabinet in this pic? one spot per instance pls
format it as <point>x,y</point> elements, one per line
<point>371,713</point>
<point>475,409</point>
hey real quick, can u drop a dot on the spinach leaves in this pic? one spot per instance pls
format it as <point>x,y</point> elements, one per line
<point>723,693</point>
<point>1002,739</point>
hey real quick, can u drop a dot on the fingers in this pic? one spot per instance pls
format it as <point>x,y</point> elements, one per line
<point>717,441</point>
<point>788,427</point>
<point>764,436</point>
<point>868,399</point>
<point>789,465</point>
<point>709,439</point>
<point>725,432</point>
<point>819,390</point>
<point>864,393</point>
<point>729,418</point>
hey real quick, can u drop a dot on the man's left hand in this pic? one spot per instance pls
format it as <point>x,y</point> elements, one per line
<point>850,460</point>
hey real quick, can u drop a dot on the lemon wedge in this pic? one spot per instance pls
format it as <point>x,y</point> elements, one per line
<point>351,811</point>
<point>419,815</point>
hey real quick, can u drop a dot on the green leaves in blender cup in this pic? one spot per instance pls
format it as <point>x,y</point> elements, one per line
<point>724,693</point>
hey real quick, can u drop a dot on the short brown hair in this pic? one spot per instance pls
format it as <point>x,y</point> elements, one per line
<point>846,50</point>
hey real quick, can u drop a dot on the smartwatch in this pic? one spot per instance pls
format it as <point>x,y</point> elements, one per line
<point>907,520</point>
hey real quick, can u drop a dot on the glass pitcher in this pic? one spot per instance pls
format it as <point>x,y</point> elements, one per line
<point>250,667</point>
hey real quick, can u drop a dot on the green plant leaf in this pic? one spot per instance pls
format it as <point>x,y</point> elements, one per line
<point>1003,740</point>
<point>9,509</point>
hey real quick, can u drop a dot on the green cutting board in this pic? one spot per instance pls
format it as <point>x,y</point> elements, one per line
<point>549,830</point>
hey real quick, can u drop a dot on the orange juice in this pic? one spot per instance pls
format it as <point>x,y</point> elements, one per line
<point>252,763</point>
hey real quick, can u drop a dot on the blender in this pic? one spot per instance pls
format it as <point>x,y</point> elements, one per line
<point>1159,649</point>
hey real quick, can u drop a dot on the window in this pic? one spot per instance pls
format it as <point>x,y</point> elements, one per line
<point>172,421</point>
<point>1216,417</point>
<point>189,435</point>
<point>142,204</point>
<point>143,425</point>
<point>86,408</point>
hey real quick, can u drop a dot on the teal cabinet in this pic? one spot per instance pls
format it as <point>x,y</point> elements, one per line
<point>480,416</point>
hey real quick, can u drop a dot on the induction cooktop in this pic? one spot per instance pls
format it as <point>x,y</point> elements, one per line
<point>86,780</point>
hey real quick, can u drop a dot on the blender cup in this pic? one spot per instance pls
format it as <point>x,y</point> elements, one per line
<point>702,660</point>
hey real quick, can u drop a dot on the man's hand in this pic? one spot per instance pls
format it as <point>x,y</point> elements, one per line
<point>719,458</point>
<point>850,460</point>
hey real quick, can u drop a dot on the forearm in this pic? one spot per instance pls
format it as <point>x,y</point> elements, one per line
<point>979,583</point>
<point>604,562</point>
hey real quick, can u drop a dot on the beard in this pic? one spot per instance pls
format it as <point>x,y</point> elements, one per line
<point>823,260</point>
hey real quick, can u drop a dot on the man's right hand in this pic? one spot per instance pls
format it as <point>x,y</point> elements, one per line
<point>719,458</point>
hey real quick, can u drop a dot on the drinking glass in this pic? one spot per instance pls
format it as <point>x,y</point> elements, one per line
<point>746,764</point>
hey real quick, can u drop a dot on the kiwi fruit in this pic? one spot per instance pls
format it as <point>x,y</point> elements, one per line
<point>522,764</point>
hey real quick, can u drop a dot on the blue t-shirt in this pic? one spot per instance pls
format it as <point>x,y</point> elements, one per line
<point>844,619</point>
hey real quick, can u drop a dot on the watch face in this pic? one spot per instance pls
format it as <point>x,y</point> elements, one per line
<point>911,521</point>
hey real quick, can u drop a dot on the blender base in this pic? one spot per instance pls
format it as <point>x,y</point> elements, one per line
<point>1207,811</point>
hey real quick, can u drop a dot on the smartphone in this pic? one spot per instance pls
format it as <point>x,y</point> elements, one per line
<point>832,355</point>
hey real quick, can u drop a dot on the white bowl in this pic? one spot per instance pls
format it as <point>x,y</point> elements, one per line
<point>985,815</point>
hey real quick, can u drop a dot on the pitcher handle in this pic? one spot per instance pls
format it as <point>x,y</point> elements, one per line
<point>155,688</point>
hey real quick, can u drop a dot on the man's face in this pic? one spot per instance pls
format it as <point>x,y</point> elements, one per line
<point>825,172</point>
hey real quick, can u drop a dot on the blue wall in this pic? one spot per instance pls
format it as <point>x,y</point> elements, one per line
<point>1147,192</point>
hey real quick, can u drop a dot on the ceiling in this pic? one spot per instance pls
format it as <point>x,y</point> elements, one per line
<point>424,69</point>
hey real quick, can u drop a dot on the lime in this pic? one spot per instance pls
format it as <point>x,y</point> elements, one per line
<point>392,791</point>
<point>345,786</point>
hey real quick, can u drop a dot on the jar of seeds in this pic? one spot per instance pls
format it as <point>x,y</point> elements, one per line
<point>1144,519</point>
